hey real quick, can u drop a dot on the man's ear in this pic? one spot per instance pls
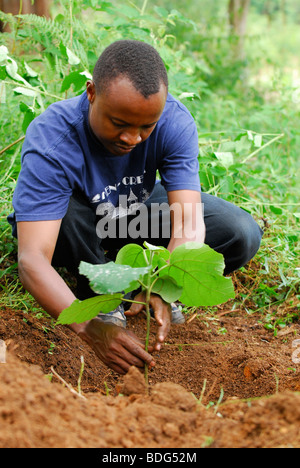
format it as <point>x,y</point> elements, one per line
<point>91,91</point>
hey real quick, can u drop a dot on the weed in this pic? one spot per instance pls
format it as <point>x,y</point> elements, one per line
<point>69,386</point>
<point>51,348</point>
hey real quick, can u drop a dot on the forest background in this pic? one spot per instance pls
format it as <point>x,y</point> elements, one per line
<point>234,63</point>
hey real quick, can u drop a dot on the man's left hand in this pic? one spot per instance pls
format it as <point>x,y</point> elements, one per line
<point>162,314</point>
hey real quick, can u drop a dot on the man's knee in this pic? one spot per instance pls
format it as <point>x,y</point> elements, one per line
<point>231,231</point>
<point>246,240</point>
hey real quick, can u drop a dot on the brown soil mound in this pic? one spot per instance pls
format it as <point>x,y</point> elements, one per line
<point>224,382</point>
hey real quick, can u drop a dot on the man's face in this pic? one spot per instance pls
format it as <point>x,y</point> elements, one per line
<point>121,117</point>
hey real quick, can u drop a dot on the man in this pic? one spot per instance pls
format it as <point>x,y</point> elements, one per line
<point>81,157</point>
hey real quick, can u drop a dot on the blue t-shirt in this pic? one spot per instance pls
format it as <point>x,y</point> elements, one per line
<point>60,155</point>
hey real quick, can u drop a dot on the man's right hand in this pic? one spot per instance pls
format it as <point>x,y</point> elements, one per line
<point>118,348</point>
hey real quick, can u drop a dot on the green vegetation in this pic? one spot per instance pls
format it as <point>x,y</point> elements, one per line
<point>246,108</point>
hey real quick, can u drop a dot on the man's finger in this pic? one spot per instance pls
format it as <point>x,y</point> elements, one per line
<point>162,313</point>
<point>137,348</point>
<point>131,359</point>
<point>136,308</point>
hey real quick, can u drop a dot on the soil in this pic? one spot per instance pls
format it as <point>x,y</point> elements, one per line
<point>224,382</point>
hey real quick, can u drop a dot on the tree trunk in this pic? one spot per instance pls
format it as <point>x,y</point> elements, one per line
<point>40,7</point>
<point>238,13</point>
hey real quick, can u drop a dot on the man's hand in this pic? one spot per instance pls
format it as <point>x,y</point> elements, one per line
<point>118,348</point>
<point>162,314</point>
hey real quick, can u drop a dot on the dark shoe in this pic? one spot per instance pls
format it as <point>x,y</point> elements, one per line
<point>177,315</point>
<point>117,317</point>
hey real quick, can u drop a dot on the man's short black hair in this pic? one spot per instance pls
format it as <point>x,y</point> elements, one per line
<point>136,60</point>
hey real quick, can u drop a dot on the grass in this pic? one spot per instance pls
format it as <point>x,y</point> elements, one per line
<point>263,180</point>
<point>268,286</point>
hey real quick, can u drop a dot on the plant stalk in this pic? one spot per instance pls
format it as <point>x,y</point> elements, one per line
<point>144,7</point>
<point>17,26</point>
<point>80,375</point>
<point>12,144</point>
<point>148,294</point>
<point>263,147</point>
<point>39,91</point>
<point>147,337</point>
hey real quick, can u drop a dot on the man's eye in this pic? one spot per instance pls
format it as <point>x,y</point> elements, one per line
<point>119,125</point>
<point>147,127</point>
<point>123,125</point>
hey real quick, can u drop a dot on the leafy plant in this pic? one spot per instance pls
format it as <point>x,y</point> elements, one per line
<point>192,274</point>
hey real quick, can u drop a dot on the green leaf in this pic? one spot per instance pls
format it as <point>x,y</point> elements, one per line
<point>156,248</point>
<point>72,58</point>
<point>30,72</point>
<point>258,141</point>
<point>81,311</point>
<point>250,135</point>
<point>161,11</point>
<point>131,255</point>
<point>199,270</point>
<point>108,7</point>
<point>152,247</point>
<point>25,91</point>
<point>135,256</point>
<point>276,210</point>
<point>226,186</point>
<point>129,12</point>
<point>74,78</point>
<point>189,96</point>
<point>12,71</point>
<point>225,157</point>
<point>3,53</point>
<point>87,74</point>
<point>102,6</point>
<point>167,288</point>
<point>29,115</point>
<point>242,144</point>
<point>111,277</point>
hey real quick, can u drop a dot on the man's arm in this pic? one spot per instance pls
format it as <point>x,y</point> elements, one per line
<point>186,218</point>
<point>116,347</point>
<point>187,226</point>
<point>36,244</point>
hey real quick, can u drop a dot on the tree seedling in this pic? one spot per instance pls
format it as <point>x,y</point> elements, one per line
<point>191,274</point>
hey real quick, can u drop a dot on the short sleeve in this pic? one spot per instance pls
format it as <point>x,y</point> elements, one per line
<point>42,192</point>
<point>179,166</point>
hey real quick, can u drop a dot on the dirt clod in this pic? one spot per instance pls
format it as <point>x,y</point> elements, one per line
<point>134,383</point>
<point>174,396</point>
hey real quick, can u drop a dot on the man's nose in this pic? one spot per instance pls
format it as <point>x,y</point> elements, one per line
<point>131,138</point>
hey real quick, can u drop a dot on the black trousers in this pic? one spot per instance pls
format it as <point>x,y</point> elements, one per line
<point>230,231</point>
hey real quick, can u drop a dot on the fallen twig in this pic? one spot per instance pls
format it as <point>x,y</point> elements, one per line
<point>66,384</point>
<point>12,144</point>
<point>229,312</point>
<point>192,317</point>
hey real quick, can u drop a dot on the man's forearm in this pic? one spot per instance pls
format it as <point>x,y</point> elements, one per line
<point>193,237</point>
<point>187,219</point>
<point>43,282</point>
<point>187,230</point>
